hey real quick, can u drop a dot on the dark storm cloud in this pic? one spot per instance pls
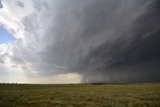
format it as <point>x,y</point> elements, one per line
<point>129,57</point>
<point>103,40</point>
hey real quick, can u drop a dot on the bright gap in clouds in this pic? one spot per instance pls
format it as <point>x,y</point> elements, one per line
<point>5,36</point>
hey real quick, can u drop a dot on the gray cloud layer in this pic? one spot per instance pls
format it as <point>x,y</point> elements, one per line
<point>1,6</point>
<point>103,40</point>
<point>20,4</point>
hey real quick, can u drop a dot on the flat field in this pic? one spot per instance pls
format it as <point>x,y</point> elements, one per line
<point>108,95</point>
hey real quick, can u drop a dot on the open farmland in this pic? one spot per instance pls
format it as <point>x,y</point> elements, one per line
<point>108,95</point>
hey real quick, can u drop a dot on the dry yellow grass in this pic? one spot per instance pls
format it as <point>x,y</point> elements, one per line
<point>111,95</point>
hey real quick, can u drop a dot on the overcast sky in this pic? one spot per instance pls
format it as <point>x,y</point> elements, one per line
<point>74,41</point>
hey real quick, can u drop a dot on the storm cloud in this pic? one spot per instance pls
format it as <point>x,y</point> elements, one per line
<point>101,40</point>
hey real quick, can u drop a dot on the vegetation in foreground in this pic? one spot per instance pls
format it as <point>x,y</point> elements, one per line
<point>111,95</point>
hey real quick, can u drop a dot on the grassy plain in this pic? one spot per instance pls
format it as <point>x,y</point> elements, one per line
<point>108,95</point>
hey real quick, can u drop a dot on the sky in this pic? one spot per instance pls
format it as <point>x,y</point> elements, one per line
<point>5,36</point>
<point>79,41</point>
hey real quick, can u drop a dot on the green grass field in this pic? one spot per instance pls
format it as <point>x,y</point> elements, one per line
<point>111,95</point>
